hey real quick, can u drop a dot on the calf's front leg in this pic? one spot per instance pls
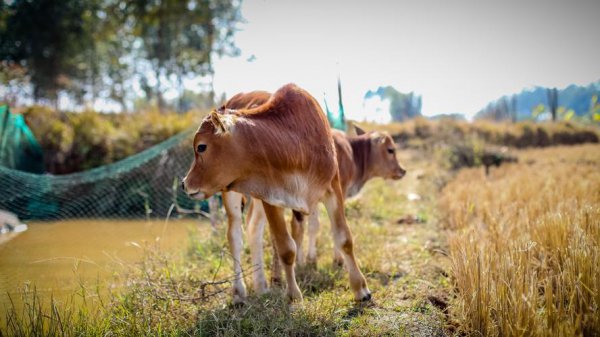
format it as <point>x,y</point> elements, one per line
<point>233,205</point>
<point>286,247</point>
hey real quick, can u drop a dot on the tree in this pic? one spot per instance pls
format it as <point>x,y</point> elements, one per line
<point>179,37</point>
<point>505,108</point>
<point>93,49</point>
<point>402,106</point>
<point>514,101</point>
<point>45,37</point>
<point>594,112</point>
<point>552,101</point>
<point>572,98</point>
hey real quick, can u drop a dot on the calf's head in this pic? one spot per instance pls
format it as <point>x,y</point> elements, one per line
<point>216,157</point>
<point>383,155</point>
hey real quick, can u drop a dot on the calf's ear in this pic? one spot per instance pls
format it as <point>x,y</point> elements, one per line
<point>353,130</point>
<point>377,137</point>
<point>359,130</point>
<point>215,119</point>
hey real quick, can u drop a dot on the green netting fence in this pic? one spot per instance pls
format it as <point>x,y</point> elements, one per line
<point>143,185</point>
<point>337,120</point>
<point>19,149</point>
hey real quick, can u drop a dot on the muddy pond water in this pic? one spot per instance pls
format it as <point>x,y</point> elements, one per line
<point>61,258</point>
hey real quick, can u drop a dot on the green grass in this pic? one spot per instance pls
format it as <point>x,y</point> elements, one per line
<point>169,296</point>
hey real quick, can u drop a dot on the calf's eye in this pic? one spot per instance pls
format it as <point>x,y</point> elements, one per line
<point>390,150</point>
<point>201,148</point>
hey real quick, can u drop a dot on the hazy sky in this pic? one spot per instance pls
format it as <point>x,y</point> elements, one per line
<point>459,55</point>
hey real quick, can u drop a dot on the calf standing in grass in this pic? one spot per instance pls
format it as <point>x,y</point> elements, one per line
<point>281,152</point>
<point>360,158</point>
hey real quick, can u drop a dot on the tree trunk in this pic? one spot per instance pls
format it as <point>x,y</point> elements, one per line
<point>514,108</point>
<point>56,103</point>
<point>181,92</point>
<point>160,102</point>
<point>553,101</point>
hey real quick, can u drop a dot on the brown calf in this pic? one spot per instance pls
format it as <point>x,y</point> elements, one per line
<point>281,152</point>
<point>360,158</point>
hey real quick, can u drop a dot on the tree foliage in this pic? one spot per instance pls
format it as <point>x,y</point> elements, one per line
<point>46,37</point>
<point>574,103</point>
<point>402,106</point>
<point>102,49</point>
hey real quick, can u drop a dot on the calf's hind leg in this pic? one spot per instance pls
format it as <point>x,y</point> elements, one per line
<point>313,232</point>
<point>286,247</point>
<point>342,237</point>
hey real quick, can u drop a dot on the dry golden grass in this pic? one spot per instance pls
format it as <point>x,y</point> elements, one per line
<point>526,247</point>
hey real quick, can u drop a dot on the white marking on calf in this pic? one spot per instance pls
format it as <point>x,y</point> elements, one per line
<point>228,122</point>
<point>293,194</point>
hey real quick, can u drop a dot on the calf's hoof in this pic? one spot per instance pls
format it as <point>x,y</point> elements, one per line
<point>294,295</point>
<point>363,295</point>
<point>276,282</point>
<point>262,288</point>
<point>312,265</point>
<point>239,296</point>
<point>238,301</point>
<point>339,263</point>
<point>311,261</point>
<point>366,298</point>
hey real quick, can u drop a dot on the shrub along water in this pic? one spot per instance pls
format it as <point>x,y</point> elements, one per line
<point>74,142</point>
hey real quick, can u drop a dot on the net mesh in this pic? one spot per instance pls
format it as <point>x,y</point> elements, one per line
<point>143,185</point>
<point>19,149</point>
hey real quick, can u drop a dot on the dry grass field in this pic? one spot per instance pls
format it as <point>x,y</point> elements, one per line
<point>525,245</point>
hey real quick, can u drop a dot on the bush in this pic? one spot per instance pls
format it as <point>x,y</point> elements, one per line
<point>424,133</point>
<point>75,142</point>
